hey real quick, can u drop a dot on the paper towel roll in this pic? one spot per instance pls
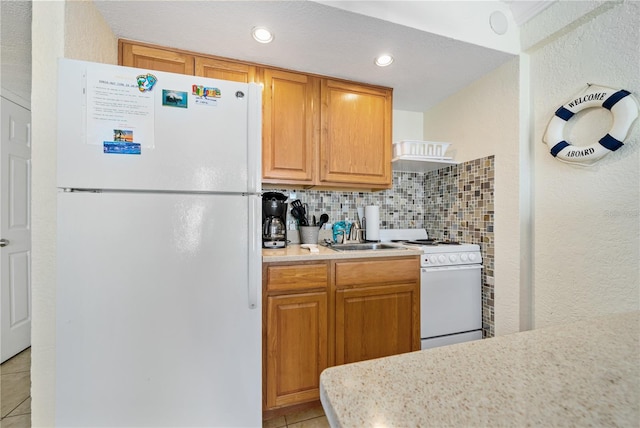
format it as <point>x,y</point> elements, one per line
<point>372,222</point>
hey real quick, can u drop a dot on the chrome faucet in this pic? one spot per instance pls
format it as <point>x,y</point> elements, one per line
<point>355,234</point>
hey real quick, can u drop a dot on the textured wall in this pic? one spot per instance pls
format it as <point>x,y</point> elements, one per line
<point>56,27</point>
<point>587,221</point>
<point>15,51</point>
<point>47,45</point>
<point>482,120</point>
<point>82,19</point>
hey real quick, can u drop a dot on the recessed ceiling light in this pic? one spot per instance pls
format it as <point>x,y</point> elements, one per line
<point>384,60</point>
<point>262,35</point>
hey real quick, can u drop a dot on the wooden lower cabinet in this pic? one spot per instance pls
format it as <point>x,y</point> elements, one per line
<point>320,313</point>
<point>295,331</point>
<point>377,308</point>
<point>374,322</point>
<point>296,347</point>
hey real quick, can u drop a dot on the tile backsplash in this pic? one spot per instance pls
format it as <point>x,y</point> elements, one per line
<point>453,203</point>
<point>401,207</point>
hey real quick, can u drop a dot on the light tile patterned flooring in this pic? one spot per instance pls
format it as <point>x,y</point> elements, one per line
<point>16,400</point>
<point>311,418</point>
<point>15,386</point>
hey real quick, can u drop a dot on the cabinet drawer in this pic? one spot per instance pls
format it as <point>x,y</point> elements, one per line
<point>296,277</point>
<point>377,271</point>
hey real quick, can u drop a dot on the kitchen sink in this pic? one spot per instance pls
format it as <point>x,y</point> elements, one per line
<point>365,246</point>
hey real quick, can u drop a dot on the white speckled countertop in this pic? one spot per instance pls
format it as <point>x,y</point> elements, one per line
<point>295,253</point>
<point>580,374</point>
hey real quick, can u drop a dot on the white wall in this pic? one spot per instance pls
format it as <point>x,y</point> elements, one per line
<point>479,121</point>
<point>587,220</point>
<point>407,125</point>
<point>76,30</point>
<point>15,52</point>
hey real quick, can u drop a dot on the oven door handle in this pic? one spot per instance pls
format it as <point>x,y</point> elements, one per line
<point>456,267</point>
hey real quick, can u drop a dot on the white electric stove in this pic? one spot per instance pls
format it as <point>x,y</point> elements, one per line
<point>450,287</point>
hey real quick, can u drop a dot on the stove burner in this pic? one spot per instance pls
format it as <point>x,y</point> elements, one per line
<point>450,243</point>
<point>430,242</point>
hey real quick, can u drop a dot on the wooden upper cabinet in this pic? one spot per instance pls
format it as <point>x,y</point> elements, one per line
<point>152,58</point>
<point>316,131</point>
<point>225,70</point>
<point>356,134</point>
<point>289,126</point>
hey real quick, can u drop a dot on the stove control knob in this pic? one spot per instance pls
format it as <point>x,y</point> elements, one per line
<point>453,258</point>
<point>442,259</point>
<point>464,257</point>
<point>472,257</point>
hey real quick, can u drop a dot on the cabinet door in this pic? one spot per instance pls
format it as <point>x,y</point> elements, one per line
<point>225,70</point>
<point>355,145</point>
<point>289,127</point>
<point>375,322</point>
<point>139,56</point>
<point>296,347</point>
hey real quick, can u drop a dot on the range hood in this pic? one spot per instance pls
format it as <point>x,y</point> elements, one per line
<point>420,156</point>
<point>409,163</point>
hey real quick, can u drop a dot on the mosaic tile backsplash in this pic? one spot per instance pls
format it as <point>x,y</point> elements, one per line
<point>453,203</point>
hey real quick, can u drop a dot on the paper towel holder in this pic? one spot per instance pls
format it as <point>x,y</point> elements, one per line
<point>363,230</point>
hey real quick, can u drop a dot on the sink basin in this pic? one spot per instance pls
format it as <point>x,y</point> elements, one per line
<point>365,246</point>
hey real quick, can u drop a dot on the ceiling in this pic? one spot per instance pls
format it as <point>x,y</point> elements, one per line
<point>317,38</point>
<point>439,46</point>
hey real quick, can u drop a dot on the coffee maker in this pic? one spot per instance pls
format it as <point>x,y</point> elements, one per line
<point>274,220</point>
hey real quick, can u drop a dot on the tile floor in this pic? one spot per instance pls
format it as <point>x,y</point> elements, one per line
<point>312,418</point>
<point>15,389</point>
<point>16,400</point>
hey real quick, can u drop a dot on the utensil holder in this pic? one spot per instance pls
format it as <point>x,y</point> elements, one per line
<point>309,234</point>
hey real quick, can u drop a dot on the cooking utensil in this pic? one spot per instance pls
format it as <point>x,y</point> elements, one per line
<point>323,219</point>
<point>298,213</point>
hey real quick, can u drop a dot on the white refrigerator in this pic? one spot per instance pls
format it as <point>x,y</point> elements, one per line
<point>158,297</point>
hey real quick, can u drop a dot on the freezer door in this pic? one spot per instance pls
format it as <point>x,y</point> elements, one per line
<point>154,325</point>
<point>184,133</point>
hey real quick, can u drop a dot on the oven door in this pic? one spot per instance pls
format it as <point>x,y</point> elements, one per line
<point>451,303</point>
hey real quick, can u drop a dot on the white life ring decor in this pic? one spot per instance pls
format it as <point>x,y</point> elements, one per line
<point>624,109</point>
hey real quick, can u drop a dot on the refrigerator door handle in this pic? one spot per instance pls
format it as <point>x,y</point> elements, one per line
<point>255,250</point>
<point>254,139</point>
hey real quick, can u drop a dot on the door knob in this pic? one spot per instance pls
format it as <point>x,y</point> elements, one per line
<point>4,242</point>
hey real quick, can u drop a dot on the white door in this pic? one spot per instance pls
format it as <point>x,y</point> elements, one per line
<point>15,229</point>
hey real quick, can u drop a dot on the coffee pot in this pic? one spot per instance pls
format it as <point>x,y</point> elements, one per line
<point>274,220</point>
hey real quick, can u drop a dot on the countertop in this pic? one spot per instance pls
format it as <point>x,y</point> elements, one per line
<point>579,374</point>
<point>295,253</point>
